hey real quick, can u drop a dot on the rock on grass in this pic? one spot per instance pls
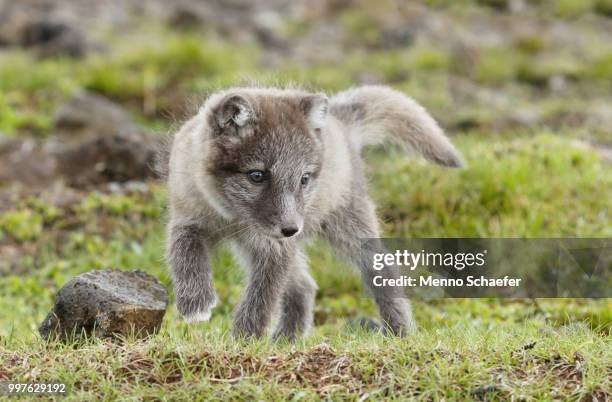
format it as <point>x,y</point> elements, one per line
<point>107,303</point>
<point>96,141</point>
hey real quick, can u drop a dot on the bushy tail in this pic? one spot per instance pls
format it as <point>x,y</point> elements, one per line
<point>375,114</point>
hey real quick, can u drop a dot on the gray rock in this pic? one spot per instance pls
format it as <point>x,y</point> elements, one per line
<point>106,159</point>
<point>186,16</point>
<point>107,303</point>
<point>54,38</point>
<point>396,37</point>
<point>88,114</point>
<point>96,141</point>
<point>26,161</point>
<point>33,27</point>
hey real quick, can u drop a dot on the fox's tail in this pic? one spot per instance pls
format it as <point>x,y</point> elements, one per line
<point>375,114</point>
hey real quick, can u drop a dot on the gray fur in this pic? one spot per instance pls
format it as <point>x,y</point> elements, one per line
<point>297,302</point>
<point>375,113</point>
<point>188,255</point>
<point>269,265</point>
<point>288,134</point>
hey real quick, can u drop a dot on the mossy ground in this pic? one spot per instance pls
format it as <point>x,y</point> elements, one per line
<point>522,180</point>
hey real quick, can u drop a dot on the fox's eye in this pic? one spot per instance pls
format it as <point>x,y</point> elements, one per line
<point>305,179</point>
<point>256,176</point>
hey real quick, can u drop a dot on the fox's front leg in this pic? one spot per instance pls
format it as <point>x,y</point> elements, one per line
<point>187,255</point>
<point>268,265</point>
<point>297,302</point>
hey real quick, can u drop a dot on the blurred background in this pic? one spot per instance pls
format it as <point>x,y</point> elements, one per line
<point>88,88</point>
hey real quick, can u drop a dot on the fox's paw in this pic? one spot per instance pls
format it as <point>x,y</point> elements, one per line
<point>247,326</point>
<point>397,318</point>
<point>194,311</point>
<point>200,316</point>
<point>399,329</point>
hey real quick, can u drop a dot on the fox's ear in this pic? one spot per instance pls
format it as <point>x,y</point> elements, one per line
<point>233,110</point>
<point>315,109</point>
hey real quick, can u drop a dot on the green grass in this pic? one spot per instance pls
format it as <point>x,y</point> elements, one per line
<point>154,74</point>
<point>159,75</point>
<point>512,187</point>
<point>566,9</point>
<point>463,349</point>
<point>530,181</point>
<point>460,360</point>
<point>572,8</point>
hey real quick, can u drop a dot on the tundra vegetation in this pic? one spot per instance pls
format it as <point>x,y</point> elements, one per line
<point>523,88</point>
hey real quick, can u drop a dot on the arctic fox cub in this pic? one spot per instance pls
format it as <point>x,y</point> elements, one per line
<point>269,168</point>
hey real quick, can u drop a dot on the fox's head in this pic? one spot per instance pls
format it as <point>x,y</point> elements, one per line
<point>264,157</point>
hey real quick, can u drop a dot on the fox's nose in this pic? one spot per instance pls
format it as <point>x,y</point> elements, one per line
<point>289,231</point>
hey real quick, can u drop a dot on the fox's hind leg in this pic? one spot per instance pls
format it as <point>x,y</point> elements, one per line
<point>297,302</point>
<point>345,230</point>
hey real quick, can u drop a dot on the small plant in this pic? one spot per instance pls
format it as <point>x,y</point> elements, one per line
<point>604,7</point>
<point>572,8</point>
<point>496,65</point>
<point>22,225</point>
